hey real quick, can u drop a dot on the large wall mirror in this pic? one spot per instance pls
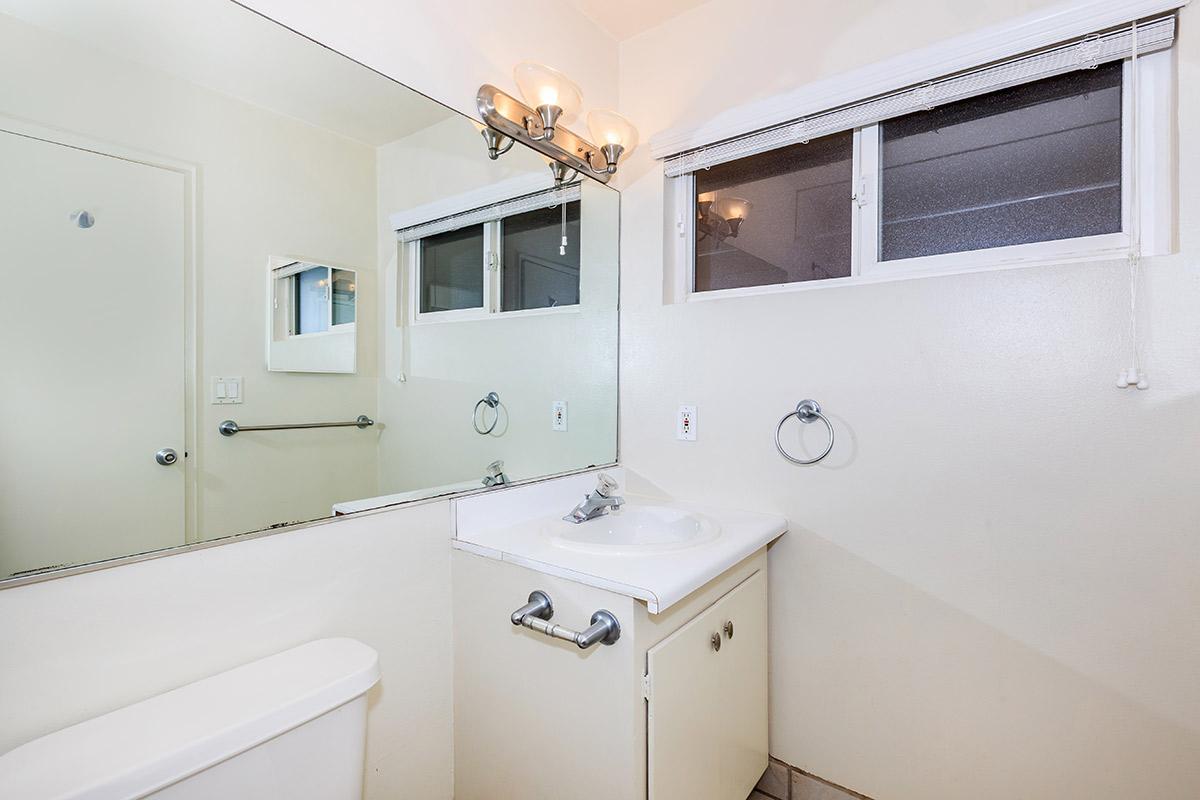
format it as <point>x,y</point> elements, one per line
<point>252,283</point>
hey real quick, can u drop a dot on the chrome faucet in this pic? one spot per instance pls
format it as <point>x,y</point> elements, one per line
<point>495,474</point>
<point>599,502</point>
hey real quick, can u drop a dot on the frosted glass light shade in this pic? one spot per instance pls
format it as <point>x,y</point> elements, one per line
<point>609,127</point>
<point>544,86</point>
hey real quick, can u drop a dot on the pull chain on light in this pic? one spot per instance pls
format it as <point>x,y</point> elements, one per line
<point>562,248</point>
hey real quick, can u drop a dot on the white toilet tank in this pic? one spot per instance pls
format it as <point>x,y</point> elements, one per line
<point>292,725</point>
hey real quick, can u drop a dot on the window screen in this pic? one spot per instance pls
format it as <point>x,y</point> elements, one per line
<point>1034,163</point>
<point>776,217</point>
<point>452,270</point>
<point>535,274</point>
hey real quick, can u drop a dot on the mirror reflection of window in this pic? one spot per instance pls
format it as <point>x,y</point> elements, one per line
<point>344,290</point>
<point>452,268</point>
<point>311,296</point>
<point>535,273</point>
<point>782,216</point>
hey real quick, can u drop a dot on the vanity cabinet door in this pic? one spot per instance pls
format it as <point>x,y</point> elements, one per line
<point>707,713</point>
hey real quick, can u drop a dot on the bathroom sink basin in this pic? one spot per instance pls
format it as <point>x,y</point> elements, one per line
<point>636,530</point>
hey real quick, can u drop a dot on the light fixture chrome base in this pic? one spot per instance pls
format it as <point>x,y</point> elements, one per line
<point>497,143</point>
<point>506,114</point>
<point>612,154</point>
<point>542,126</point>
<point>562,174</point>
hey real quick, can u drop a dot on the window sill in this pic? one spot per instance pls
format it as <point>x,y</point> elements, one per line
<point>479,315</point>
<point>334,330</point>
<point>920,268</point>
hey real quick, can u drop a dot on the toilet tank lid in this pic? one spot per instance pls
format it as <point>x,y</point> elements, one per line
<point>148,745</point>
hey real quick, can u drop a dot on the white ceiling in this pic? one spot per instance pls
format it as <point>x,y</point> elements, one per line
<point>224,47</point>
<point>625,18</point>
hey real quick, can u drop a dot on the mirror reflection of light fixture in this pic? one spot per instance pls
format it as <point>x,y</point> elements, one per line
<point>722,217</point>
<point>551,98</point>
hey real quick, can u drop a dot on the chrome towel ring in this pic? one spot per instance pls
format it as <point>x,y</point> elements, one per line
<point>808,412</point>
<point>492,401</point>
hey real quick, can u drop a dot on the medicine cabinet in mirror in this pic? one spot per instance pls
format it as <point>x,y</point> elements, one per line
<point>312,313</point>
<point>285,287</point>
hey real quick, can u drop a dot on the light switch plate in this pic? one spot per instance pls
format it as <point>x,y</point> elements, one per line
<point>226,390</point>
<point>685,424</point>
<point>558,415</point>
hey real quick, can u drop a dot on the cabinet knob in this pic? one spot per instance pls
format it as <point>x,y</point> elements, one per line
<point>716,642</point>
<point>729,629</point>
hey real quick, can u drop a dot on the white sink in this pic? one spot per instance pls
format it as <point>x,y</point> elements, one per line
<point>635,530</point>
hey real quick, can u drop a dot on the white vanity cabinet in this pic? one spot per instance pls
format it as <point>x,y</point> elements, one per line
<point>659,715</point>
<point>706,690</point>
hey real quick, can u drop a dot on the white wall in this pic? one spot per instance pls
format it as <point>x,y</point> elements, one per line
<point>448,50</point>
<point>530,361</point>
<point>85,645</point>
<point>989,589</point>
<point>266,185</point>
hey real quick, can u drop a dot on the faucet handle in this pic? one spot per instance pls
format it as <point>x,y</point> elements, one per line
<point>605,485</point>
<point>496,467</point>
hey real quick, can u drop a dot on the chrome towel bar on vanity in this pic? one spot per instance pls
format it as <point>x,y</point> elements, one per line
<point>535,614</point>
<point>808,412</point>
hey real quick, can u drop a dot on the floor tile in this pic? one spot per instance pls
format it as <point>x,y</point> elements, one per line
<point>805,787</point>
<point>774,781</point>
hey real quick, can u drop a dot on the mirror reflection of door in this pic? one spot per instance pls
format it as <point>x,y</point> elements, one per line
<point>93,361</point>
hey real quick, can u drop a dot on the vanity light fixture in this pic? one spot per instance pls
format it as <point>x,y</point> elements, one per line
<point>550,99</point>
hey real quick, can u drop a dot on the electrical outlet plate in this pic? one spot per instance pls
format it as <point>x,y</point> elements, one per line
<point>558,415</point>
<point>685,424</point>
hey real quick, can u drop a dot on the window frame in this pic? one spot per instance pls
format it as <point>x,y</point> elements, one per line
<point>482,311</point>
<point>493,283</point>
<point>1153,162</point>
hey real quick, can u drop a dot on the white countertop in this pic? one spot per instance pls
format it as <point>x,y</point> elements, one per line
<point>519,529</point>
<point>368,503</point>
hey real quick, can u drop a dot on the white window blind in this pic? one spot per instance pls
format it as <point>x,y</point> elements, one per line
<point>489,213</point>
<point>1082,53</point>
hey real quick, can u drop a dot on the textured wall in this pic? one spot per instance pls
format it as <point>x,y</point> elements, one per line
<point>989,589</point>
